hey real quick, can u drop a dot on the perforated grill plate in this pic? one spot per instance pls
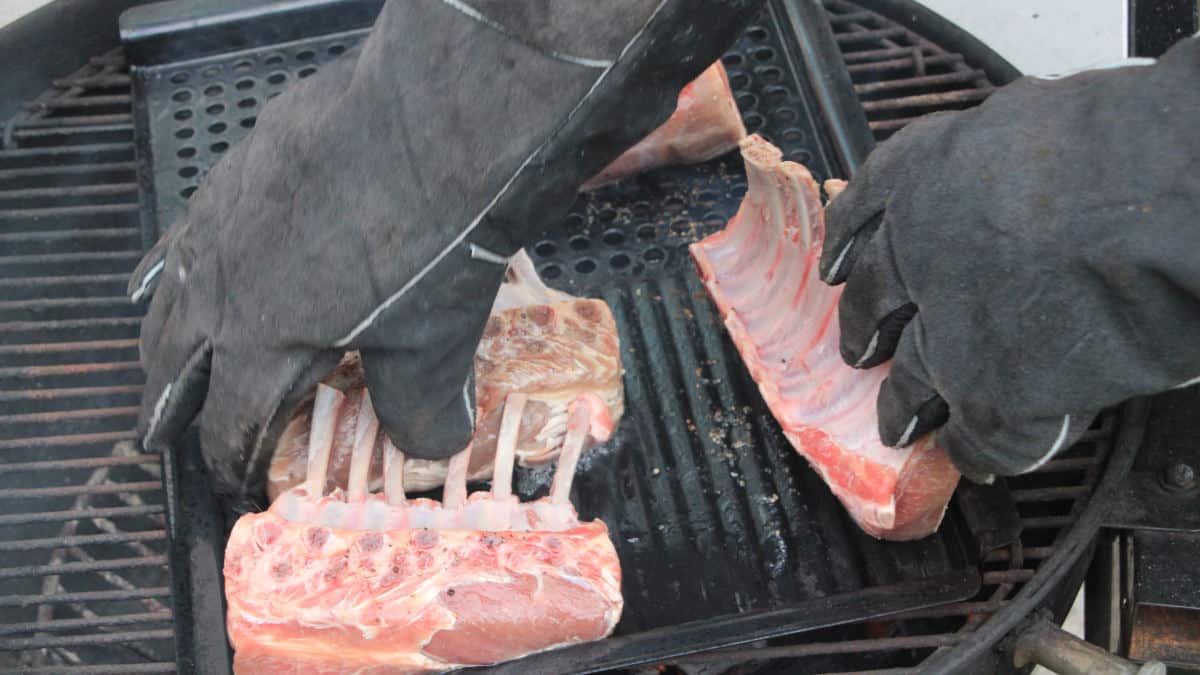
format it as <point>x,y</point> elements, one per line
<point>642,227</point>
<point>200,108</point>
<point>711,510</point>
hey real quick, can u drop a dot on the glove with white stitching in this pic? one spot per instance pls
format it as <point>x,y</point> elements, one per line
<point>374,204</point>
<point>1027,263</point>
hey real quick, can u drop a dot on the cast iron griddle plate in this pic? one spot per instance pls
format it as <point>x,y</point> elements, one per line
<point>711,510</point>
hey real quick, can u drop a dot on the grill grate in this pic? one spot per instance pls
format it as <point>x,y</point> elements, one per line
<point>711,510</point>
<point>899,75</point>
<point>84,586</point>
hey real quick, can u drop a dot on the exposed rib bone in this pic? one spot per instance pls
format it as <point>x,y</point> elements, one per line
<point>454,495</point>
<point>365,433</point>
<point>578,422</point>
<point>320,439</point>
<point>393,472</point>
<point>506,445</point>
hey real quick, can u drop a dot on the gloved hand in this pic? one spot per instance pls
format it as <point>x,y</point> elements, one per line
<point>374,204</point>
<point>1027,263</point>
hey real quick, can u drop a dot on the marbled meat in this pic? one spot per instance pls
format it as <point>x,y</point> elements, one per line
<point>547,344</point>
<point>762,274</point>
<point>706,124</point>
<point>355,582</point>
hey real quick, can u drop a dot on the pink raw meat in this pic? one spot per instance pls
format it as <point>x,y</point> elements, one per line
<point>762,273</point>
<point>547,344</point>
<point>353,582</point>
<point>706,124</point>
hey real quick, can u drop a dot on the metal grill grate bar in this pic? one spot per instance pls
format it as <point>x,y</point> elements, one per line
<point>23,333</point>
<point>66,264</point>
<point>83,120</point>
<point>71,191</point>
<point>60,287</point>
<point>93,639</point>
<point>54,309</point>
<point>76,624</point>
<point>93,81</point>
<point>119,669</point>
<point>41,158</point>
<point>85,463</point>
<point>80,172</point>
<point>86,596</point>
<point>903,63</point>
<point>78,567</point>
<point>82,514</point>
<point>105,439</point>
<point>71,398</point>
<point>62,241</point>
<point>867,35</point>
<point>84,102</point>
<point>13,217</point>
<point>936,100</point>
<point>81,540</point>
<point>885,54</point>
<point>72,490</point>
<point>922,82</point>
<point>83,135</point>
<point>70,375</point>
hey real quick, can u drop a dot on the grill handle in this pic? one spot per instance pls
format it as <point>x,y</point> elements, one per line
<point>1045,644</point>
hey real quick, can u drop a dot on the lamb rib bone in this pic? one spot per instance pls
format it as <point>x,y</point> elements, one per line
<point>359,581</point>
<point>548,345</point>
<point>762,272</point>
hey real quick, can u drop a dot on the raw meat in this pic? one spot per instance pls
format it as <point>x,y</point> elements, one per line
<point>706,124</point>
<point>539,341</point>
<point>354,582</point>
<point>762,273</point>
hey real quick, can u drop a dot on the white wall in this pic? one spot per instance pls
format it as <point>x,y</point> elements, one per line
<point>1044,37</point>
<point>11,10</point>
<point>1040,37</point>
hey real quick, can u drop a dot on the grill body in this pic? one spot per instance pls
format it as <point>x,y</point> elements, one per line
<point>712,511</point>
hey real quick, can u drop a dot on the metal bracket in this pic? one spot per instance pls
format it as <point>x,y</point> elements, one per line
<point>1162,491</point>
<point>1145,500</point>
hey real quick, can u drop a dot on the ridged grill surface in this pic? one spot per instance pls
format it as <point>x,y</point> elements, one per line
<point>84,586</point>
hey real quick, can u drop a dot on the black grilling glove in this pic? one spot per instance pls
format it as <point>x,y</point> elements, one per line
<point>374,204</point>
<point>1027,263</point>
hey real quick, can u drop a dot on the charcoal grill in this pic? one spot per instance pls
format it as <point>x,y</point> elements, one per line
<point>87,513</point>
